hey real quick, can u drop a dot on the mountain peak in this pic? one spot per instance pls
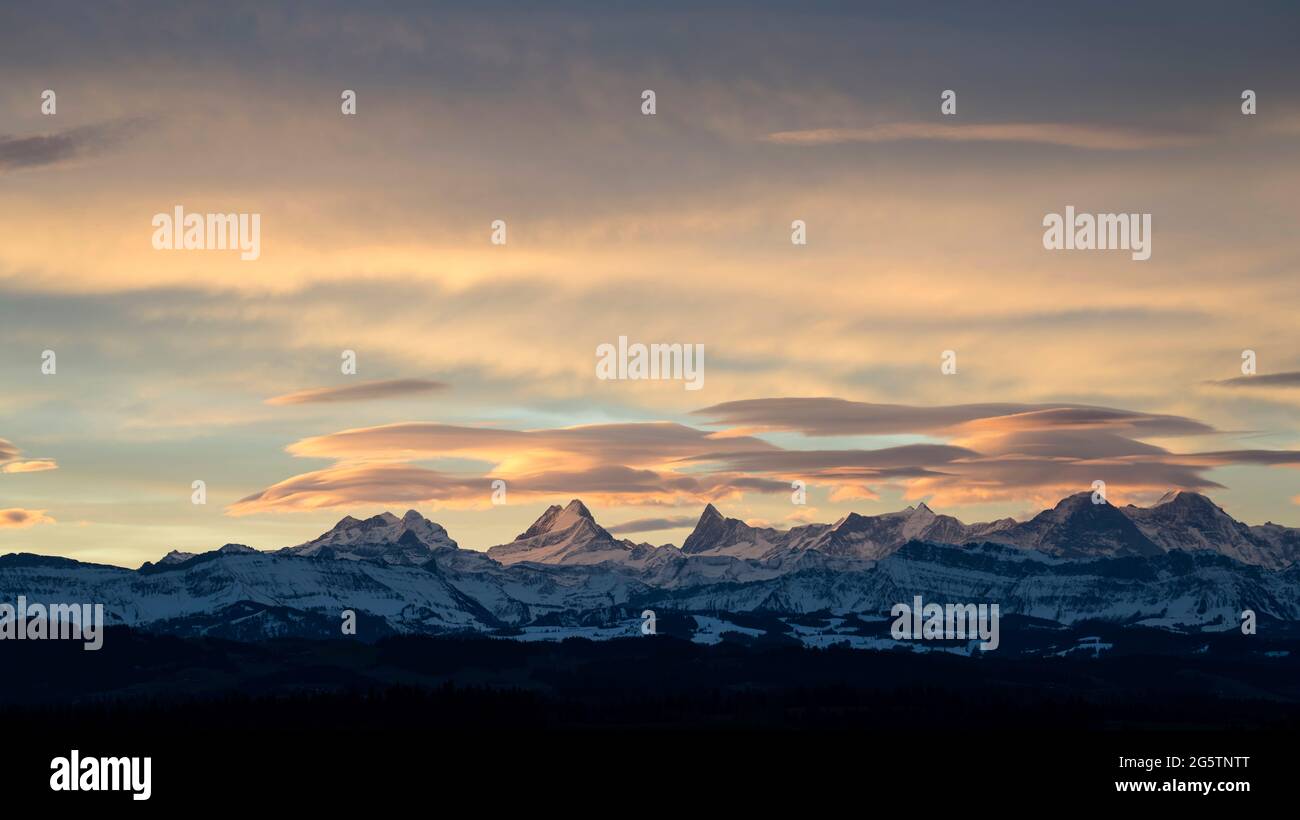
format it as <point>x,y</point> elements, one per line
<point>1078,528</point>
<point>558,519</point>
<point>1184,497</point>
<point>712,527</point>
<point>921,510</point>
<point>1075,500</point>
<point>407,540</point>
<point>578,509</point>
<point>566,534</point>
<point>849,521</point>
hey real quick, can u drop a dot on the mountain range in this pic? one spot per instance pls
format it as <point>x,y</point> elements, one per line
<point>1181,564</point>
<point>1075,528</point>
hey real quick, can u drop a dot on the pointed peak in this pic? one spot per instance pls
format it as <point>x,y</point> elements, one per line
<point>1074,500</point>
<point>920,510</point>
<point>1182,497</point>
<point>576,507</point>
<point>711,524</point>
<point>557,518</point>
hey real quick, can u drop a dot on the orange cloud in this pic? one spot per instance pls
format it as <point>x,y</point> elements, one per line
<point>11,460</point>
<point>634,444</point>
<point>849,492</point>
<point>630,463</point>
<point>352,484</point>
<point>39,465</point>
<point>18,518</point>
<point>997,452</point>
<point>807,515</point>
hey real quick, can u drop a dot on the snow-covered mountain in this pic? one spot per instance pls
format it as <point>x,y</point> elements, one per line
<point>853,536</point>
<point>1189,521</point>
<point>1078,528</point>
<point>715,534</point>
<point>1176,589</point>
<point>1181,563</point>
<point>570,535</point>
<point>1075,528</point>
<point>877,536</point>
<point>409,598</point>
<point>408,540</point>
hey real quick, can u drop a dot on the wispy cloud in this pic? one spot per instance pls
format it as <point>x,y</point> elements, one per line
<point>18,518</point>
<point>11,460</point>
<point>366,391</point>
<point>653,524</point>
<point>1067,135</point>
<point>827,416</point>
<point>629,463</point>
<point>38,465</point>
<point>1291,379</point>
<point>17,153</point>
<point>991,452</point>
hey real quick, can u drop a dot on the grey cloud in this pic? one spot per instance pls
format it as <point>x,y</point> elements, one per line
<point>885,458</point>
<point>653,524</point>
<point>18,153</point>
<point>831,417</point>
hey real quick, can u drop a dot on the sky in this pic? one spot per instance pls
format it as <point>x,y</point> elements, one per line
<point>477,361</point>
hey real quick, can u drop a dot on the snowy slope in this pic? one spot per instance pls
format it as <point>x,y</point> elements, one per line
<point>1078,528</point>
<point>1168,590</point>
<point>1190,521</point>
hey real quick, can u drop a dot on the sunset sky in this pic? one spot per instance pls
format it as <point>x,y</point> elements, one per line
<point>476,361</point>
